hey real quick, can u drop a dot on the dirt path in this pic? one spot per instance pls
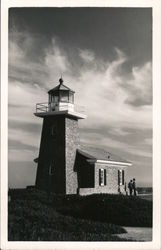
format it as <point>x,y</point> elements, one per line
<point>137,234</point>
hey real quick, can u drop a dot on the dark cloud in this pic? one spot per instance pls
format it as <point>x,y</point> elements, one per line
<point>139,102</point>
<point>130,29</point>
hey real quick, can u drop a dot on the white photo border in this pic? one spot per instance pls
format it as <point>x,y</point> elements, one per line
<point>156,10</point>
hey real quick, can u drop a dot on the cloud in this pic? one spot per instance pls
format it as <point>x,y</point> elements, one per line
<point>118,131</point>
<point>24,65</point>
<point>24,137</point>
<point>87,56</point>
<point>17,145</point>
<point>140,87</point>
<point>104,95</point>
<point>26,174</point>
<point>56,60</point>
<point>148,141</point>
<point>114,100</point>
<point>112,144</point>
<point>22,155</point>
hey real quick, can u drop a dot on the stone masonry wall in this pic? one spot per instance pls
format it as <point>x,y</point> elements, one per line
<point>86,191</point>
<point>52,151</point>
<point>111,186</point>
<point>111,178</point>
<point>72,144</point>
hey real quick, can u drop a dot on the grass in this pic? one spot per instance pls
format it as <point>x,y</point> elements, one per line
<point>145,190</point>
<point>147,197</point>
<point>36,216</point>
<point>32,220</point>
<point>116,209</point>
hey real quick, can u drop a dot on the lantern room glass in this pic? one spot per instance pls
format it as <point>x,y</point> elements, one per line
<point>71,97</point>
<point>61,96</point>
<point>64,96</point>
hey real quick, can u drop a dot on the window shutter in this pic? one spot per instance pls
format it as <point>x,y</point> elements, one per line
<point>123,177</point>
<point>105,177</point>
<point>99,176</point>
<point>118,177</point>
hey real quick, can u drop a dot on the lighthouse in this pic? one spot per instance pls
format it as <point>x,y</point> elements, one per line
<point>59,141</point>
<point>65,166</point>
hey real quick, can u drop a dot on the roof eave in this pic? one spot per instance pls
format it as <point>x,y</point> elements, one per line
<point>90,157</point>
<point>57,88</point>
<point>110,162</point>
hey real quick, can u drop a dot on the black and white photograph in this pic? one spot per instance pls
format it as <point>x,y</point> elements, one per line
<point>80,163</point>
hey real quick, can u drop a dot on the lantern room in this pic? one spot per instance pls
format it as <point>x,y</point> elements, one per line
<point>61,98</point>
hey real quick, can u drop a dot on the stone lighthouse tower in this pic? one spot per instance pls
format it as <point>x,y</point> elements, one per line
<point>59,141</point>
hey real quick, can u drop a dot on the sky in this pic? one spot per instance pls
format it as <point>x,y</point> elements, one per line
<point>105,56</point>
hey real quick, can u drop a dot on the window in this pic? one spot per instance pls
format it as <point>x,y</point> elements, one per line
<point>102,177</point>
<point>53,130</point>
<point>121,177</point>
<point>55,99</point>
<point>51,169</point>
<point>64,96</point>
<point>71,97</point>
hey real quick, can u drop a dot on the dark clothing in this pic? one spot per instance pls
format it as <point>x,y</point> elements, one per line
<point>134,187</point>
<point>130,186</point>
<point>130,191</point>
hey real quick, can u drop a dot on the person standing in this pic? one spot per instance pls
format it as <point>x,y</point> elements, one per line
<point>134,186</point>
<point>130,187</point>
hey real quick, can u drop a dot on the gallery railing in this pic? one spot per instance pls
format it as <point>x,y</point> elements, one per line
<point>47,107</point>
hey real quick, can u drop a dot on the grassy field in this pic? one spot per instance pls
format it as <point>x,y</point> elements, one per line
<point>147,197</point>
<point>116,209</point>
<point>36,216</point>
<point>34,221</point>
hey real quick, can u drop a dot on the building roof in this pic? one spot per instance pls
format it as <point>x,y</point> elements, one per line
<point>93,153</point>
<point>61,86</point>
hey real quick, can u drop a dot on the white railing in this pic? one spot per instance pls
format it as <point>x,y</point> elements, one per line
<point>47,107</point>
<point>42,107</point>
